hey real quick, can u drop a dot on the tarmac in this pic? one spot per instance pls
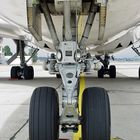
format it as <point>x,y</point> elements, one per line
<point>124,93</point>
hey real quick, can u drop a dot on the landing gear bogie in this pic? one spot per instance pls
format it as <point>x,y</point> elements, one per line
<point>44,117</point>
<point>105,71</point>
<point>23,71</point>
<point>27,72</point>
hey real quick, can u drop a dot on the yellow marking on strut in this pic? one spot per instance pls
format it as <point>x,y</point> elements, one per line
<point>117,138</point>
<point>80,27</point>
<point>77,136</point>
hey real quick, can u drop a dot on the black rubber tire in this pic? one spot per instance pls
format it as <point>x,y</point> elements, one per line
<point>44,114</point>
<point>101,72</point>
<point>139,73</point>
<point>112,71</point>
<point>14,72</point>
<point>28,72</point>
<point>58,76</point>
<point>96,122</point>
<point>32,72</point>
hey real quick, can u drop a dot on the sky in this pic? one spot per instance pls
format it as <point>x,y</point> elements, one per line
<point>125,53</point>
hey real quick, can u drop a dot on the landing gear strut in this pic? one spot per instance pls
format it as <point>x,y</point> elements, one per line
<point>70,61</point>
<point>105,69</point>
<point>23,71</point>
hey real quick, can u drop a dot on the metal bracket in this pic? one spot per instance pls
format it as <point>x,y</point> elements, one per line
<point>69,116</point>
<point>34,53</point>
<point>117,138</point>
<point>9,61</point>
<point>136,49</point>
<point>34,19</point>
<point>70,75</point>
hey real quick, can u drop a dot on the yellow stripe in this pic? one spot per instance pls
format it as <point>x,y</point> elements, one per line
<point>77,135</point>
<point>80,27</point>
<point>117,138</point>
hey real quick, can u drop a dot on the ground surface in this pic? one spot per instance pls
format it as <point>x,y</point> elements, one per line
<point>124,95</point>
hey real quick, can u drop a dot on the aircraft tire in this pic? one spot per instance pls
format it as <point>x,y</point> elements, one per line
<point>112,71</point>
<point>28,72</point>
<point>32,72</point>
<point>139,73</point>
<point>101,73</point>
<point>58,76</point>
<point>14,72</point>
<point>96,122</point>
<point>44,114</point>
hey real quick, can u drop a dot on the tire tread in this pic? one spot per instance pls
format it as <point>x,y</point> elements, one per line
<point>96,114</point>
<point>44,114</point>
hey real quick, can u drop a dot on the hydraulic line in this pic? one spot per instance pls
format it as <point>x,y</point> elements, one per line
<point>102,19</point>
<point>87,29</point>
<point>50,24</point>
<point>67,21</point>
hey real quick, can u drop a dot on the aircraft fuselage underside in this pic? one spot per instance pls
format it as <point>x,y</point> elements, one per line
<point>71,58</point>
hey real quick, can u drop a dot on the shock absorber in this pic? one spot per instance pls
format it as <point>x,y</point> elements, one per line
<point>102,18</point>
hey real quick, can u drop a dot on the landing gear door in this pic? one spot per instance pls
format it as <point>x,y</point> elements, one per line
<point>34,19</point>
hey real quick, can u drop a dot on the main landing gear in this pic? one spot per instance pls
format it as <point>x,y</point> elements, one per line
<point>27,72</point>
<point>23,71</point>
<point>106,69</point>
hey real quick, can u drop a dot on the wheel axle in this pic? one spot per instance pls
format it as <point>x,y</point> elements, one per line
<point>69,128</point>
